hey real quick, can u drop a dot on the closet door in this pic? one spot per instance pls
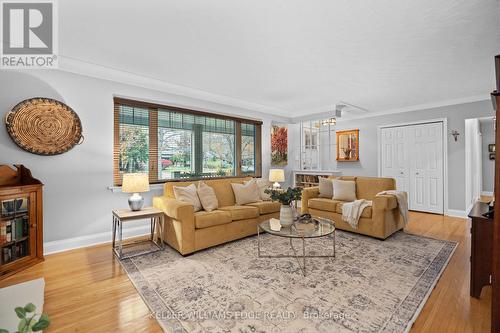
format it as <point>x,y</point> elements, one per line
<point>387,145</point>
<point>426,167</point>
<point>395,156</point>
<point>401,159</point>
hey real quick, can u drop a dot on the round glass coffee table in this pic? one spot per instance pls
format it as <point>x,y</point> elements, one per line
<point>324,228</point>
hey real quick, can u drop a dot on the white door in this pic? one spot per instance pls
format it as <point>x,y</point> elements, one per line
<point>395,163</point>
<point>413,155</point>
<point>426,167</point>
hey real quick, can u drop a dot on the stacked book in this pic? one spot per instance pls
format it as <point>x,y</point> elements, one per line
<point>5,232</point>
<point>13,230</point>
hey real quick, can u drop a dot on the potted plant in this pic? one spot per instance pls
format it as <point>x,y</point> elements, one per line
<point>285,197</point>
<point>30,320</point>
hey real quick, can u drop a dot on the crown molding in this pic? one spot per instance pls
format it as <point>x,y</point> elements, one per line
<point>419,107</point>
<point>80,67</point>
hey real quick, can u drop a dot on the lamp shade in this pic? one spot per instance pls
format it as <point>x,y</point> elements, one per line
<point>135,183</point>
<point>276,175</point>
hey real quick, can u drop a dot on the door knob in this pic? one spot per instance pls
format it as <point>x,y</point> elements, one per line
<point>417,173</point>
<point>402,173</point>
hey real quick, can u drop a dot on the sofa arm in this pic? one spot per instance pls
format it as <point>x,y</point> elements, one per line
<point>179,226</point>
<point>308,193</point>
<point>178,210</point>
<point>384,202</point>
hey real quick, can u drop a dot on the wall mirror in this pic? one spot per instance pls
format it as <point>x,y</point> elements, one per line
<point>348,145</point>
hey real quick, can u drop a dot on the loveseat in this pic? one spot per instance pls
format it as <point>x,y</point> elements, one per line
<point>188,231</point>
<point>380,220</point>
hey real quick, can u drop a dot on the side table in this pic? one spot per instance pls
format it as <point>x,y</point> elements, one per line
<point>123,215</point>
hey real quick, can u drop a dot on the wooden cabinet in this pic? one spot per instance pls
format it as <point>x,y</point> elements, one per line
<point>481,248</point>
<point>21,220</point>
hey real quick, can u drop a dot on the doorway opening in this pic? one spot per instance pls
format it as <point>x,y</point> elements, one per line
<point>479,160</point>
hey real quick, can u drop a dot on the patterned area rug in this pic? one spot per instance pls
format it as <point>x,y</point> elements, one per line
<point>370,286</point>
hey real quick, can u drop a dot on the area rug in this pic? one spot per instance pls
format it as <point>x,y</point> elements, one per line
<point>370,286</point>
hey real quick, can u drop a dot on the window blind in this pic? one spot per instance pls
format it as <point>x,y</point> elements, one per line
<point>171,143</point>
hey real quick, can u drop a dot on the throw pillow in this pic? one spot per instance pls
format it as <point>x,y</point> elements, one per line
<point>207,197</point>
<point>262,184</point>
<point>188,194</point>
<point>344,190</point>
<point>246,193</point>
<point>325,187</point>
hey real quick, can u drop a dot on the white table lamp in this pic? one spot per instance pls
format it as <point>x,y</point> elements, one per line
<point>277,176</point>
<point>135,183</point>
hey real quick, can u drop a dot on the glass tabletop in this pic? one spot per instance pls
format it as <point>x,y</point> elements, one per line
<point>324,227</point>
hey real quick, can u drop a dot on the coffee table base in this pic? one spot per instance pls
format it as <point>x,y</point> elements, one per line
<point>296,256</point>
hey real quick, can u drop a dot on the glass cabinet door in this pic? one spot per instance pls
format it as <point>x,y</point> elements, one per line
<point>17,238</point>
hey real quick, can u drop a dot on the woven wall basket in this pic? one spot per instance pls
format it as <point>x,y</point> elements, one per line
<point>44,126</point>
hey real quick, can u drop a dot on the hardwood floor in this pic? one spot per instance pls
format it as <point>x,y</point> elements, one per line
<point>87,290</point>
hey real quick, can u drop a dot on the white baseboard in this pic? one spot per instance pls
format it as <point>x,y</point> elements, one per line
<point>456,213</point>
<point>487,193</point>
<point>89,240</point>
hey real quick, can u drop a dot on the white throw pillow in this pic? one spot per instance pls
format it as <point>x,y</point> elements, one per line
<point>188,194</point>
<point>344,190</point>
<point>207,197</point>
<point>262,184</point>
<point>325,187</point>
<point>246,193</point>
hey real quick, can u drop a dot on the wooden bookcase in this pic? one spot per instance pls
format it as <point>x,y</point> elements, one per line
<point>21,220</point>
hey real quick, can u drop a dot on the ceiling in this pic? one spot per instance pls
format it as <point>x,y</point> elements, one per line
<point>292,58</point>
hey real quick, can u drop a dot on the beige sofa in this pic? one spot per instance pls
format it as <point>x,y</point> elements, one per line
<point>188,231</point>
<point>380,221</point>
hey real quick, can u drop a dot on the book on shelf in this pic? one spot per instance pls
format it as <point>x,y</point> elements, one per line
<point>19,227</point>
<point>13,252</point>
<point>6,255</point>
<point>8,231</point>
<point>3,233</point>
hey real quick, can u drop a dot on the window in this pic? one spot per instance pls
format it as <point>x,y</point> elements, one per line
<point>134,140</point>
<point>171,143</point>
<point>248,142</point>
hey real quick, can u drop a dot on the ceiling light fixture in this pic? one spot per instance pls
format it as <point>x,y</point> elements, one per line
<point>331,121</point>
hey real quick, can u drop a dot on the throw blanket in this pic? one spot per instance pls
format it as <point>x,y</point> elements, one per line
<point>351,211</point>
<point>402,200</point>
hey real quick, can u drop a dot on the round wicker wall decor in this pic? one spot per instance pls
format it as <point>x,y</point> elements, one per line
<point>44,126</point>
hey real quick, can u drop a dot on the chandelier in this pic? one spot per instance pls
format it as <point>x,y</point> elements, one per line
<point>331,121</point>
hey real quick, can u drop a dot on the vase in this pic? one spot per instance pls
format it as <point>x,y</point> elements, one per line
<point>286,216</point>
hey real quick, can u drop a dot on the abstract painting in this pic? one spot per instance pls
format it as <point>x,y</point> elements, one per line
<point>279,145</point>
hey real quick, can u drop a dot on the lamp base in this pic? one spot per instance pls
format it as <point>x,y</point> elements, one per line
<point>135,202</point>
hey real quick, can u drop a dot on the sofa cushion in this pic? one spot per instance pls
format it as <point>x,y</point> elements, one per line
<point>222,188</point>
<point>324,204</point>
<point>367,212</point>
<point>207,197</point>
<point>204,219</point>
<point>246,193</point>
<point>325,187</point>
<point>262,184</point>
<point>344,190</point>
<point>188,194</point>
<point>368,187</point>
<point>266,207</point>
<point>241,212</point>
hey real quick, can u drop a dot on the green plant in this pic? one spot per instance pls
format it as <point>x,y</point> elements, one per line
<point>285,197</point>
<point>29,322</point>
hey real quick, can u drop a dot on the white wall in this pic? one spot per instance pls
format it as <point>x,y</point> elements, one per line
<point>76,199</point>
